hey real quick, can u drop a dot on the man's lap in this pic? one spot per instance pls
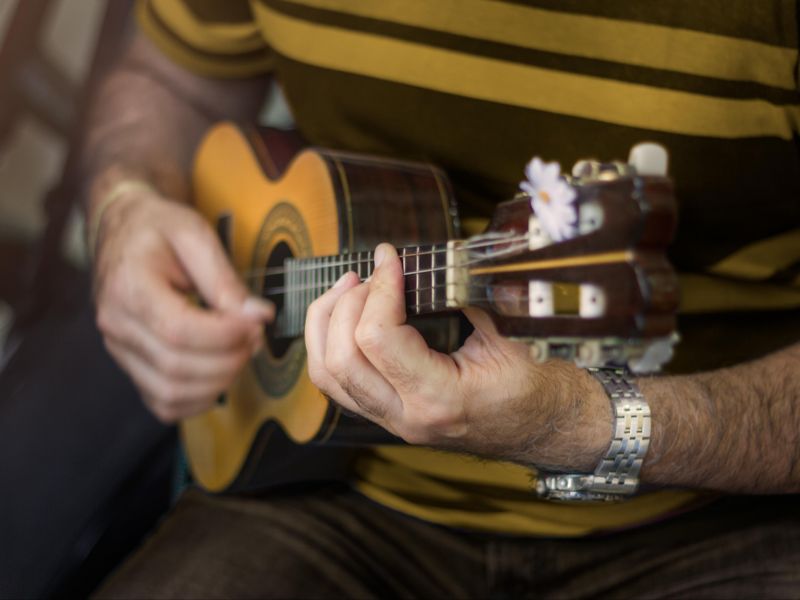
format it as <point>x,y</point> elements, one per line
<point>332,542</point>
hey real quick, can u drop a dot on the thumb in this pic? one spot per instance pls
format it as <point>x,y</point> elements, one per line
<point>202,256</point>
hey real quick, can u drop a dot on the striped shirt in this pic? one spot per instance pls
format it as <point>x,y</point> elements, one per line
<point>479,86</point>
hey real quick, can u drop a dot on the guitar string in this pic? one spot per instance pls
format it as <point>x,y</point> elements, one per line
<point>442,286</point>
<point>305,259</point>
<point>321,268</point>
<point>323,286</point>
<point>255,273</point>
<point>523,299</point>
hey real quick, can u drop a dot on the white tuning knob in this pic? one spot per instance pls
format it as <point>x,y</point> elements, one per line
<point>649,158</point>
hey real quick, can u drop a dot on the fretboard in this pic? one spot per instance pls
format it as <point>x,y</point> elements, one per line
<point>305,279</point>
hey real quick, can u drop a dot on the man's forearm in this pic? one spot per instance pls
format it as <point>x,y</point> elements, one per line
<point>148,117</point>
<point>735,429</point>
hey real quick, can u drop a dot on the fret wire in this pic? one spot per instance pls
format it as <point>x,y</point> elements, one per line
<point>313,282</point>
<point>287,303</point>
<point>308,274</point>
<point>404,264</point>
<point>296,296</point>
<point>294,299</point>
<point>306,288</point>
<point>329,275</point>
<point>433,278</point>
<point>416,276</point>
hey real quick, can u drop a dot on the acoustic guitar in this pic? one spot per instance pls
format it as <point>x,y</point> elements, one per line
<point>605,296</point>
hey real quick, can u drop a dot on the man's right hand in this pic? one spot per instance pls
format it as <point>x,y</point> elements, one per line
<point>151,255</point>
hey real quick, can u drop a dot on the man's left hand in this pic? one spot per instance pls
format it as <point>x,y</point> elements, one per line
<point>488,398</point>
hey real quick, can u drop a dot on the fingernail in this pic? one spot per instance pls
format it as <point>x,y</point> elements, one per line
<point>257,307</point>
<point>341,279</point>
<point>380,254</point>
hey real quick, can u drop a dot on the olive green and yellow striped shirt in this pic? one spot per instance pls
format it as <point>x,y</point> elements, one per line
<point>478,87</point>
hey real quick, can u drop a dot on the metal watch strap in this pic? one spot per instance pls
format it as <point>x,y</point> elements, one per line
<point>617,475</point>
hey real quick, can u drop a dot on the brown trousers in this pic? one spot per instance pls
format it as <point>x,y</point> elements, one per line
<point>333,543</point>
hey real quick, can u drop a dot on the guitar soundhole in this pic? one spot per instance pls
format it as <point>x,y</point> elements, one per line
<point>275,290</point>
<point>282,235</point>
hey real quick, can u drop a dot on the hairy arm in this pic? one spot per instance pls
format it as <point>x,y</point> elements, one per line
<point>735,429</point>
<point>151,250</point>
<point>149,115</point>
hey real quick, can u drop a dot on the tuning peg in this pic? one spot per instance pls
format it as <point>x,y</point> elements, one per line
<point>537,236</point>
<point>540,299</point>
<point>592,301</point>
<point>649,158</point>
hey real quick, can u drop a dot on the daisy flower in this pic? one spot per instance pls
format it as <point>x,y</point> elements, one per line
<point>552,199</point>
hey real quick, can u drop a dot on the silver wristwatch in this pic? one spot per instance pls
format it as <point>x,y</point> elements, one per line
<point>617,475</point>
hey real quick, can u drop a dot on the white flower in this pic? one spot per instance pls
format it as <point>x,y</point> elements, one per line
<point>552,199</point>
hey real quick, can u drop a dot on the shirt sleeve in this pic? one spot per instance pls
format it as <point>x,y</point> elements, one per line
<point>208,37</point>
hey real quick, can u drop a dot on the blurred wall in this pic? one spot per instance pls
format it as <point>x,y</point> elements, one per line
<point>32,159</point>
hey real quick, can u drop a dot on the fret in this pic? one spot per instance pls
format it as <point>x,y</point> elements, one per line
<point>307,275</point>
<point>416,281</point>
<point>403,253</point>
<point>300,282</point>
<point>318,278</point>
<point>440,275</point>
<point>314,281</point>
<point>290,299</point>
<point>434,252</point>
<point>287,298</point>
<point>370,262</point>
<point>423,295</point>
<point>284,314</point>
<point>323,274</point>
<point>320,287</point>
<point>298,286</point>
<point>318,281</point>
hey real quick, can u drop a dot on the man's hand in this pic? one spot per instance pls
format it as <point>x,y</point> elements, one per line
<point>151,255</point>
<point>488,398</point>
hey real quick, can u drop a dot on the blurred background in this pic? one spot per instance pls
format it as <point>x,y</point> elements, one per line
<point>41,82</point>
<point>85,470</point>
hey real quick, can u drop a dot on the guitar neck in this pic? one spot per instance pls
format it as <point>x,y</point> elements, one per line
<point>305,279</point>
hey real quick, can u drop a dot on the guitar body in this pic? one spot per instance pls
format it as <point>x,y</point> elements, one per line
<point>325,203</point>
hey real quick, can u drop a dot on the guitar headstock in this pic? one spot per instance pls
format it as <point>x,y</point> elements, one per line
<point>593,285</point>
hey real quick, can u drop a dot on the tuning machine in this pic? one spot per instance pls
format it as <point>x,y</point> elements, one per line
<point>640,356</point>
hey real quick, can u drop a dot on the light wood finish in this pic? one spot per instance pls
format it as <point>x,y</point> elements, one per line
<point>229,179</point>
